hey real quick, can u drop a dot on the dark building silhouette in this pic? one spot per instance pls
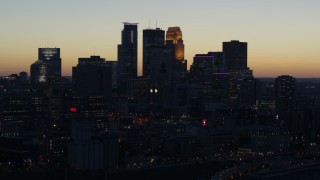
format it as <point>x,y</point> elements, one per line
<point>92,76</point>
<point>92,108</point>
<point>209,71</point>
<point>201,72</point>
<point>285,93</point>
<point>189,99</point>
<point>163,63</point>
<point>248,92</point>
<point>219,62</point>
<point>127,55</point>
<point>151,38</point>
<point>138,96</point>
<point>159,66</point>
<point>285,89</point>
<point>220,86</point>
<point>266,97</point>
<point>89,150</point>
<point>51,56</point>
<point>235,55</point>
<point>23,77</point>
<point>224,76</point>
<point>12,82</point>
<point>161,74</point>
<point>114,65</point>
<point>110,120</point>
<point>242,88</point>
<point>38,72</point>
<point>202,68</point>
<point>22,112</point>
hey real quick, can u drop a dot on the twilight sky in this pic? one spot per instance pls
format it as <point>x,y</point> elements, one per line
<point>283,35</point>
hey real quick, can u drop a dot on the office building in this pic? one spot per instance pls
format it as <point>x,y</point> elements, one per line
<point>127,55</point>
<point>235,54</point>
<point>38,72</point>
<point>242,89</point>
<point>151,38</point>
<point>285,91</point>
<point>218,63</point>
<point>201,72</point>
<point>51,56</point>
<point>92,76</point>
<point>175,34</point>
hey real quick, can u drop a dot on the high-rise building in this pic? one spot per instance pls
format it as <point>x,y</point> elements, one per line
<point>287,114</point>
<point>235,54</point>
<point>38,72</point>
<point>114,65</point>
<point>151,38</point>
<point>218,64</point>
<point>202,68</point>
<point>201,72</point>
<point>175,34</point>
<point>92,76</point>
<point>242,89</point>
<point>138,96</point>
<point>127,55</point>
<point>161,72</point>
<point>285,91</point>
<point>51,56</point>
<point>208,71</point>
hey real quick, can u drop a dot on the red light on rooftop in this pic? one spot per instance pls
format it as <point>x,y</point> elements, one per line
<point>204,122</point>
<point>73,109</point>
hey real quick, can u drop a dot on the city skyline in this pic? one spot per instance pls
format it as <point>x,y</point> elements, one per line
<point>282,36</point>
<point>109,94</point>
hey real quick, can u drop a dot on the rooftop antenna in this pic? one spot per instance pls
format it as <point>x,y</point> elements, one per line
<point>156,23</point>
<point>149,23</point>
<point>94,51</point>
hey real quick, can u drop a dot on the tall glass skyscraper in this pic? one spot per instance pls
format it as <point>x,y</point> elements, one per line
<point>127,55</point>
<point>51,57</point>
<point>38,72</point>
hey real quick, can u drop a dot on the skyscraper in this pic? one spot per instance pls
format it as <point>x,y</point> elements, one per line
<point>208,71</point>
<point>175,34</point>
<point>51,56</point>
<point>201,73</point>
<point>235,54</point>
<point>201,70</point>
<point>92,76</point>
<point>219,64</point>
<point>161,72</point>
<point>285,91</point>
<point>151,38</point>
<point>127,55</point>
<point>38,72</point>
